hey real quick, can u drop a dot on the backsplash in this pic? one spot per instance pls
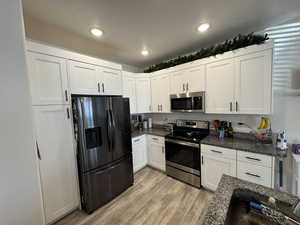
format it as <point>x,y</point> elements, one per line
<point>251,120</point>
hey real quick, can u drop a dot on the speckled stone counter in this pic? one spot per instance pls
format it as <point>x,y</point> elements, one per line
<point>243,144</point>
<point>154,131</point>
<point>218,206</point>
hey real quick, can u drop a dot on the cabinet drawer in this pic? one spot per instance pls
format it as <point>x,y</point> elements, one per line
<point>255,174</point>
<point>137,140</point>
<point>255,159</point>
<point>218,151</point>
<point>156,139</point>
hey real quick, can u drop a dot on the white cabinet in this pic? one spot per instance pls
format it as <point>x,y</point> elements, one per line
<point>57,160</point>
<point>48,79</point>
<point>129,91</point>
<point>94,80</point>
<point>241,85</point>
<point>83,78</point>
<point>195,79</point>
<point>253,83</point>
<point>110,81</point>
<point>215,162</point>
<point>256,168</point>
<point>178,82</point>
<point>143,95</point>
<point>220,86</point>
<point>188,80</point>
<point>139,152</point>
<point>160,85</point>
<point>156,152</point>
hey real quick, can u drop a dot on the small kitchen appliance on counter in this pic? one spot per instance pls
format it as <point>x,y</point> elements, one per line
<point>183,150</point>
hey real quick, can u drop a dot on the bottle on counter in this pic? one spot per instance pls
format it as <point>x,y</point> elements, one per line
<point>230,129</point>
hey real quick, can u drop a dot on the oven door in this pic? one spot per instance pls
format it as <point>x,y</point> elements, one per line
<point>183,155</point>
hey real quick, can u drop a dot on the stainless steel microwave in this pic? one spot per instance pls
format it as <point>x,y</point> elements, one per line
<point>188,102</point>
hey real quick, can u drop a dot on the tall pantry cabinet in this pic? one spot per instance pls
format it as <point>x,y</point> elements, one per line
<point>54,135</point>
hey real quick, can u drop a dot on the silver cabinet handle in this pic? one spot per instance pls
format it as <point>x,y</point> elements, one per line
<point>202,160</point>
<point>103,90</point>
<point>149,108</point>
<point>236,106</point>
<point>187,86</point>
<point>68,113</point>
<point>38,150</point>
<point>230,106</point>
<point>252,174</point>
<point>136,140</point>
<point>161,108</point>
<point>163,149</point>
<point>158,108</point>
<point>98,87</point>
<point>66,95</point>
<point>215,151</point>
<point>155,139</point>
<point>247,157</point>
<point>183,87</point>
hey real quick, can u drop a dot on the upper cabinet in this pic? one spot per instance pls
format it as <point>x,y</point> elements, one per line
<point>160,87</point>
<point>129,91</point>
<point>94,80</point>
<point>240,85</point>
<point>48,79</point>
<point>220,83</point>
<point>111,81</point>
<point>83,78</point>
<point>254,83</point>
<point>143,95</point>
<point>191,79</point>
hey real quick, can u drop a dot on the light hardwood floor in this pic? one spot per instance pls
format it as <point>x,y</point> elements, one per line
<point>154,199</point>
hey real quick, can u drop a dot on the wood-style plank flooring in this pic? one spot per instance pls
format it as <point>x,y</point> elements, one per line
<point>154,199</point>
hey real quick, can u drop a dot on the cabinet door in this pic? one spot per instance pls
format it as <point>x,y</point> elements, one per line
<point>178,82</point>
<point>111,82</point>
<point>220,86</point>
<point>156,156</point>
<point>48,79</point>
<point>129,91</point>
<point>57,160</point>
<point>195,79</point>
<point>143,95</point>
<point>212,169</point>
<point>164,93</point>
<point>83,78</point>
<point>254,80</point>
<point>155,94</point>
<point>139,153</point>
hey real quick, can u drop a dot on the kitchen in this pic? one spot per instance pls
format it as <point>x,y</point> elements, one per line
<point>123,129</point>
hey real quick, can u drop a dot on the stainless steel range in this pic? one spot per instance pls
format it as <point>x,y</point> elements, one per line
<point>183,150</point>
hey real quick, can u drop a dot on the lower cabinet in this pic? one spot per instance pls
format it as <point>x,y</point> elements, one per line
<point>215,162</point>
<point>57,164</point>
<point>252,167</point>
<point>139,152</point>
<point>156,152</point>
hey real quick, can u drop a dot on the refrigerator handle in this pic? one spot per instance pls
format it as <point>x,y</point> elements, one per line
<point>112,128</point>
<point>108,129</point>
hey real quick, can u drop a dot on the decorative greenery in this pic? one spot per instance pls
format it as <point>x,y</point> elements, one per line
<point>237,42</point>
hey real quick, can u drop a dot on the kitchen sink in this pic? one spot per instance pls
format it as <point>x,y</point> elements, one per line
<point>240,212</point>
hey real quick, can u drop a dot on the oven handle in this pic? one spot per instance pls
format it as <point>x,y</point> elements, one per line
<point>184,143</point>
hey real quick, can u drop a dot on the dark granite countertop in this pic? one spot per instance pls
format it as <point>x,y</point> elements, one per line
<point>154,131</point>
<point>238,143</point>
<point>218,206</point>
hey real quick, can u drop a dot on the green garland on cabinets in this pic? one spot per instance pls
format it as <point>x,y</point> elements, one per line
<point>237,42</point>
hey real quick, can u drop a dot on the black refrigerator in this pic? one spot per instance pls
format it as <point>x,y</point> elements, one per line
<point>104,151</point>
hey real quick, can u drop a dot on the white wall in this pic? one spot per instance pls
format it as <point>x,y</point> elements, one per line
<point>20,202</point>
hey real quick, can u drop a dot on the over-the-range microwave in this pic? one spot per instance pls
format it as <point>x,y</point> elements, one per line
<point>188,102</point>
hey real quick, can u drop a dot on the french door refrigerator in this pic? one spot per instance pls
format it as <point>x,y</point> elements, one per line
<point>104,151</point>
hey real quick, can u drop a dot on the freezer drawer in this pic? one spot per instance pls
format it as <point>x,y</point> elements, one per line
<point>100,186</point>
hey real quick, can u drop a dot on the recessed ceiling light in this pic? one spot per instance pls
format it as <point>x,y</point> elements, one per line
<point>203,27</point>
<point>145,52</point>
<point>96,32</point>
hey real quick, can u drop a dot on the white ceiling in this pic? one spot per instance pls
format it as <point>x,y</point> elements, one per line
<point>166,27</point>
